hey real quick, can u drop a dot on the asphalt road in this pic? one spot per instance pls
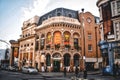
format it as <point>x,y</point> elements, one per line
<point>8,75</point>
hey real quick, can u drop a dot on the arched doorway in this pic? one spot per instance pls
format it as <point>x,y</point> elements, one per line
<point>56,62</point>
<point>66,59</point>
<point>48,60</point>
<point>76,60</point>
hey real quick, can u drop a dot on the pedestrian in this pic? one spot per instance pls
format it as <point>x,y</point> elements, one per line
<point>85,74</point>
<point>46,69</point>
<point>64,71</point>
<point>76,71</point>
<point>117,68</point>
<point>114,70</point>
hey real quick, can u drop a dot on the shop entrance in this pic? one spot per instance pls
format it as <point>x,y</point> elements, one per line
<point>56,65</point>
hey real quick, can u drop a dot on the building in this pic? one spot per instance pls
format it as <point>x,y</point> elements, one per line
<point>56,40</point>
<point>14,52</point>
<point>110,30</point>
<point>27,42</point>
<point>4,54</point>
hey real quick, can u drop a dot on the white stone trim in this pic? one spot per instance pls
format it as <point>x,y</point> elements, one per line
<point>93,59</point>
<point>102,2</point>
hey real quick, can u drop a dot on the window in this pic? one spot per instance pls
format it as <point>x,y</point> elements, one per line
<point>58,14</point>
<point>118,6</point>
<point>100,13</point>
<point>31,44</point>
<point>50,15</point>
<point>37,45</point>
<point>115,6</point>
<point>89,47</point>
<point>76,43</point>
<point>48,60</point>
<point>44,18</point>
<point>69,15</point>
<point>89,36</point>
<point>27,44</point>
<point>117,29</point>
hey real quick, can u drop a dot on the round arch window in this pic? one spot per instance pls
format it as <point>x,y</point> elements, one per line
<point>66,60</point>
<point>76,60</point>
<point>58,14</point>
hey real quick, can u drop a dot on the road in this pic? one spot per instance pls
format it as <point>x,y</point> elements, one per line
<point>8,75</point>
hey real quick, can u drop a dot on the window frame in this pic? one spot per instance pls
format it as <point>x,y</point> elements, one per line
<point>90,47</point>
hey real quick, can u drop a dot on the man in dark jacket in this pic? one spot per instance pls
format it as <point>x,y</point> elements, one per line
<point>85,74</point>
<point>76,71</point>
<point>65,71</point>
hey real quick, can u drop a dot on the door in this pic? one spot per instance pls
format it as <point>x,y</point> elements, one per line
<point>56,66</point>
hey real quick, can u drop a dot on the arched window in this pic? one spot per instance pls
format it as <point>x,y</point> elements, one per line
<point>66,60</point>
<point>44,18</point>
<point>42,41</point>
<point>49,38</point>
<point>58,14</point>
<point>36,45</point>
<point>76,41</point>
<point>48,63</point>
<point>76,60</point>
<point>69,15</point>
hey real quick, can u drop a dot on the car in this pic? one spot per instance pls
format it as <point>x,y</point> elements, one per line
<point>107,70</point>
<point>4,67</point>
<point>26,69</point>
<point>13,68</point>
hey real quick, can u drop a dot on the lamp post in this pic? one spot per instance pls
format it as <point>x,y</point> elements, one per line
<point>83,32</point>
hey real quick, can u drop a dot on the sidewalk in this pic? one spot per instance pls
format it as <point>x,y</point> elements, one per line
<point>96,75</point>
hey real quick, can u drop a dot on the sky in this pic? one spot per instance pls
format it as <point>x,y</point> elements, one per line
<point>14,12</point>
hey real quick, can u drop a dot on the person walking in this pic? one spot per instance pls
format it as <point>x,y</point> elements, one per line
<point>117,68</point>
<point>65,71</point>
<point>114,70</point>
<point>76,71</point>
<point>85,74</point>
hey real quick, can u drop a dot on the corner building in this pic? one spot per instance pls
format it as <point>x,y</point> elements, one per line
<point>110,31</point>
<point>56,40</point>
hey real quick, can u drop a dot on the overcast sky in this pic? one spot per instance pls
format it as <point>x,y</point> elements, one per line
<point>14,12</point>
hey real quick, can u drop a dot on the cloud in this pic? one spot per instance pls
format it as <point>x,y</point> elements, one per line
<point>40,7</point>
<point>37,8</point>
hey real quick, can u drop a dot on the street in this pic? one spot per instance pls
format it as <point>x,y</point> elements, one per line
<point>8,75</point>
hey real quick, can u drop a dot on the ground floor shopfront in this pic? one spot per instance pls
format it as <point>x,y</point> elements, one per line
<point>56,62</point>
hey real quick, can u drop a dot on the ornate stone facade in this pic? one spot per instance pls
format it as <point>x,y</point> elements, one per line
<point>57,41</point>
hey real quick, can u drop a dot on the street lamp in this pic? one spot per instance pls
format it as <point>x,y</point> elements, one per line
<point>83,32</point>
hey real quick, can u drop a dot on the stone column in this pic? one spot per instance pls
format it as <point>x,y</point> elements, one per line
<point>29,57</point>
<point>61,64</point>
<point>71,42</point>
<point>33,58</point>
<point>51,63</point>
<point>39,62</point>
<point>71,63</point>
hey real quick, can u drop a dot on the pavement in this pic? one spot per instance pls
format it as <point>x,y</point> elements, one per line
<point>92,75</point>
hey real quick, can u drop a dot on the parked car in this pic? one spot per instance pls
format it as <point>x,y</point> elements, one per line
<point>13,68</point>
<point>107,70</point>
<point>27,69</point>
<point>4,67</point>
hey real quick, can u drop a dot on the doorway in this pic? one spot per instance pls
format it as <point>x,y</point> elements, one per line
<point>56,66</point>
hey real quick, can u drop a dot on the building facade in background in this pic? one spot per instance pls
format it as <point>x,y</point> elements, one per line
<point>110,30</point>
<point>58,39</point>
